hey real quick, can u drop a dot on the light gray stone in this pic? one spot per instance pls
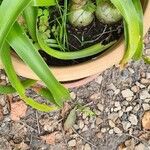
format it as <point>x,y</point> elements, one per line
<point>146,106</point>
<point>87,147</point>
<point>100,107</point>
<point>133,119</point>
<point>144,94</point>
<point>126,125</point>
<point>129,108</point>
<point>117,130</point>
<point>127,93</point>
<point>99,79</point>
<point>72,143</point>
<point>111,124</point>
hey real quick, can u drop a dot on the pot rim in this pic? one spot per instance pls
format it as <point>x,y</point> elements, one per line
<point>69,73</point>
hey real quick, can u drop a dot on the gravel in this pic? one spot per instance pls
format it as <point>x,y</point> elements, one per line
<point>118,100</point>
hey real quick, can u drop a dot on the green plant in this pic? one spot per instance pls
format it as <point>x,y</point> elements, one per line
<point>13,36</point>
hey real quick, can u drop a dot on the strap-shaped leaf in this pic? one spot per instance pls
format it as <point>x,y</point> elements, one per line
<point>95,49</point>
<point>129,13</point>
<point>9,11</point>
<point>8,89</point>
<point>30,14</point>
<point>26,50</point>
<point>28,53</point>
<point>44,2</point>
<point>6,59</point>
<point>139,10</point>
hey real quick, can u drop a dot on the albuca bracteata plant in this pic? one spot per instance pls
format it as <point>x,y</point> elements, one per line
<point>80,13</point>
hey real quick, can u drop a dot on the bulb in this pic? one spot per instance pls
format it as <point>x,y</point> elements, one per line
<point>107,13</point>
<point>79,15</point>
<point>80,18</point>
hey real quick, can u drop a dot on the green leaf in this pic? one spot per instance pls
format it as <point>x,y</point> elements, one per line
<point>30,14</point>
<point>95,49</point>
<point>87,111</point>
<point>138,7</point>
<point>90,7</point>
<point>29,54</point>
<point>26,50</point>
<point>71,118</point>
<point>127,8</point>
<point>9,11</point>
<point>5,56</point>
<point>44,2</point>
<point>8,89</point>
<point>44,92</point>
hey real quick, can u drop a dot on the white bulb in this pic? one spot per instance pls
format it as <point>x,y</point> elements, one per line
<point>80,17</point>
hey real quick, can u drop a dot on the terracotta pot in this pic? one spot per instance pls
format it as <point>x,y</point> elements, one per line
<point>86,69</point>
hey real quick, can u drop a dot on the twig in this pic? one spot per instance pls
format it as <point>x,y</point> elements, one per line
<point>31,139</point>
<point>63,134</point>
<point>31,128</point>
<point>37,120</point>
<point>84,138</point>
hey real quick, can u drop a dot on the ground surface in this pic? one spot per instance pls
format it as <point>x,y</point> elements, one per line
<point>120,101</point>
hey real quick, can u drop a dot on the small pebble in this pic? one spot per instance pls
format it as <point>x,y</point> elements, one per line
<point>129,108</point>
<point>140,85</point>
<point>120,113</point>
<point>100,107</point>
<point>126,125</point>
<point>117,91</point>
<point>117,104</point>
<point>148,75</point>
<point>103,130</point>
<point>136,108</point>
<point>87,147</point>
<point>135,89</point>
<point>144,94</point>
<point>81,124</point>
<point>84,116</point>
<point>129,99</point>
<point>140,147</point>
<point>112,87</point>
<point>2,100</point>
<point>147,100</point>
<point>131,70</point>
<point>72,143</point>
<point>99,79</point>
<point>125,103</point>
<point>99,135</point>
<point>85,128</point>
<point>107,110</point>
<point>73,95</point>
<point>117,130</point>
<point>133,119</point>
<point>117,109</point>
<point>146,106</point>
<point>98,121</point>
<point>111,131</point>
<point>127,93</point>
<point>144,81</point>
<point>113,116</point>
<point>111,124</point>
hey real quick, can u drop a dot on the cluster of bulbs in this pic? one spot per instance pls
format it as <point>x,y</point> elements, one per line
<point>81,15</point>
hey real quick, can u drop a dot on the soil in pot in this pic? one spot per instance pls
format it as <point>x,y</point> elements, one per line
<point>80,37</point>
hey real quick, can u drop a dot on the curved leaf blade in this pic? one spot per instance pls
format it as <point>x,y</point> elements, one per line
<point>6,59</point>
<point>28,53</point>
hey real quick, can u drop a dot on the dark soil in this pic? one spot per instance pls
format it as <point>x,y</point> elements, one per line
<point>96,32</point>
